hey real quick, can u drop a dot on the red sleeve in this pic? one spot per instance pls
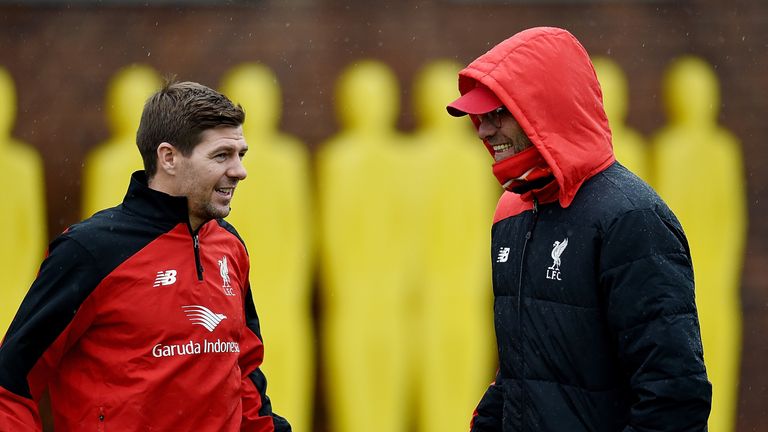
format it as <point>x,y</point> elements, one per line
<point>18,413</point>
<point>257,408</point>
<point>252,420</point>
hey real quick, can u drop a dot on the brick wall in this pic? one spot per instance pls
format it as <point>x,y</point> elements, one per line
<point>63,57</point>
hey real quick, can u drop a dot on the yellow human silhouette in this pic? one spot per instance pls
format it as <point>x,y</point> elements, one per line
<point>364,289</point>
<point>628,145</point>
<point>698,171</point>
<point>108,164</point>
<point>273,214</point>
<point>23,212</point>
<point>455,358</point>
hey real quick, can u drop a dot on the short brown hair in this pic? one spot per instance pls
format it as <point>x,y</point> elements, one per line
<point>177,114</point>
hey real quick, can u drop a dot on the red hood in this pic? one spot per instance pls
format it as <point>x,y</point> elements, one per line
<point>546,80</point>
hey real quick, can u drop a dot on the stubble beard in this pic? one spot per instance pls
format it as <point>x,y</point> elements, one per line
<point>208,211</point>
<point>521,142</point>
<point>215,212</point>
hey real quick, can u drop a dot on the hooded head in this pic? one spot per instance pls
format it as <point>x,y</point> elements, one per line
<point>543,76</point>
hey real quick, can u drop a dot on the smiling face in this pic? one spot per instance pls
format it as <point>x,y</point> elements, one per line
<point>208,176</point>
<point>503,133</point>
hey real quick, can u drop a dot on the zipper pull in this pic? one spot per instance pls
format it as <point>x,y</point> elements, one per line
<point>198,264</point>
<point>529,234</point>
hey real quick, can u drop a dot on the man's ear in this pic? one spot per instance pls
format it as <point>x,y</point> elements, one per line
<point>167,158</point>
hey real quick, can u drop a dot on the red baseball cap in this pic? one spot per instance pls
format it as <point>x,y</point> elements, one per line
<point>479,100</point>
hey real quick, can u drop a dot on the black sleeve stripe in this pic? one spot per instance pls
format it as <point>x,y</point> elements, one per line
<point>67,277</point>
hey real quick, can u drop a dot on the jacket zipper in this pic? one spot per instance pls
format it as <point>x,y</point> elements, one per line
<point>101,419</point>
<point>198,264</point>
<point>528,237</point>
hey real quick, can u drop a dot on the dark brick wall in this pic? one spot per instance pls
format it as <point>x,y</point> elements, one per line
<point>63,57</point>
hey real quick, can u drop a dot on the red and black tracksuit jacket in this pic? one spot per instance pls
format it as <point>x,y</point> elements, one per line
<point>135,323</point>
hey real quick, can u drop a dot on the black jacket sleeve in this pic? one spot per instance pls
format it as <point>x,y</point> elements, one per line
<point>487,415</point>
<point>51,307</point>
<point>647,274</point>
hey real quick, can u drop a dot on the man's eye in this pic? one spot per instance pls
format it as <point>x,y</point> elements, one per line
<point>220,157</point>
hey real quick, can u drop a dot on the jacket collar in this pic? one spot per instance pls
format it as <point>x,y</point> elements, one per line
<point>152,204</point>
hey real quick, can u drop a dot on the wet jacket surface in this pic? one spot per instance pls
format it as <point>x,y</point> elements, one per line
<point>136,323</point>
<point>594,304</point>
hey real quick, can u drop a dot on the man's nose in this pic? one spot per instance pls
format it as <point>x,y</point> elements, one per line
<point>486,129</point>
<point>237,170</point>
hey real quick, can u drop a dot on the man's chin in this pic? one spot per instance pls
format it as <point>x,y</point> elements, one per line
<point>223,213</point>
<point>217,212</point>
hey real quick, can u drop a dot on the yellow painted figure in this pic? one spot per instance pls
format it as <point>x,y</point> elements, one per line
<point>110,163</point>
<point>21,177</point>
<point>273,213</point>
<point>361,179</point>
<point>455,358</point>
<point>629,146</point>
<point>699,173</point>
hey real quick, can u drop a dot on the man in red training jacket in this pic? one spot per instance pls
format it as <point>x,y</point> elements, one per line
<point>141,317</point>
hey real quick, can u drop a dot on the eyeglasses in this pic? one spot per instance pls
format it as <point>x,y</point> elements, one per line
<point>495,117</point>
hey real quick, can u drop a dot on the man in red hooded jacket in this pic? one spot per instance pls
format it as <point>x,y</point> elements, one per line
<point>595,314</point>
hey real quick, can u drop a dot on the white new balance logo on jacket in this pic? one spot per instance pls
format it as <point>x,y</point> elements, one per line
<point>503,255</point>
<point>167,277</point>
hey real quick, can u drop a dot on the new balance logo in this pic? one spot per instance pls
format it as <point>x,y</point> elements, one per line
<point>503,255</point>
<point>167,277</point>
<point>202,316</point>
